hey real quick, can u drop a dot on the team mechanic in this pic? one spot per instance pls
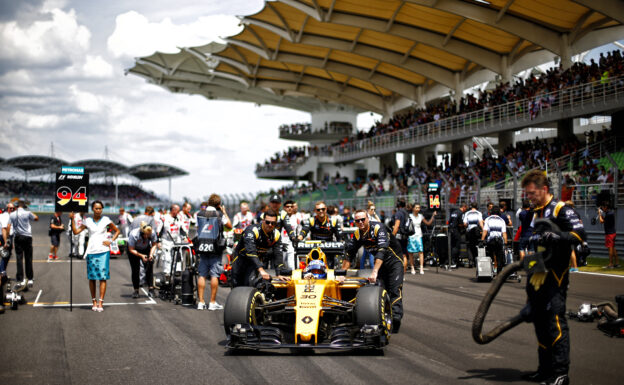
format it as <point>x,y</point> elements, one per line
<point>321,228</point>
<point>547,290</point>
<point>258,243</point>
<point>388,263</point>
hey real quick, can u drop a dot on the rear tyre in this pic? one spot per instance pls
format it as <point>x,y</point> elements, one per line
<point>241,308</point>
<point>372,307</point>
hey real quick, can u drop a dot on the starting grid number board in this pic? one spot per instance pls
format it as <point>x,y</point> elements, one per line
<point>72,191</point>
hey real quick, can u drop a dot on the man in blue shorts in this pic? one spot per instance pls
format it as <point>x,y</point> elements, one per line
<point>210,245</point>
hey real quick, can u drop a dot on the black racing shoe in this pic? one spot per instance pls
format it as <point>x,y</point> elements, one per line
<point>535,376</point>
<point>561,379</point>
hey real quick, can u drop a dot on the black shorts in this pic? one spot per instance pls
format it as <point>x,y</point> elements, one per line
<point>55,239</point>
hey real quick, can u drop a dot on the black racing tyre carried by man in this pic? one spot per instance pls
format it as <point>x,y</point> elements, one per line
<point>372,307</point>
<point>241,308</point>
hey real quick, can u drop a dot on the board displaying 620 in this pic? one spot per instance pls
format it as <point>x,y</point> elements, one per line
<point>72,192</point>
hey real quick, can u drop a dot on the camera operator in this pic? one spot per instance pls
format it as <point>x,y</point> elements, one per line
<point>607,217</point>
<point>547,287</point>
<point>495,229</point>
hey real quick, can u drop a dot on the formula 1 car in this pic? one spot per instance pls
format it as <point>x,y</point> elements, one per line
<point>317,308</point>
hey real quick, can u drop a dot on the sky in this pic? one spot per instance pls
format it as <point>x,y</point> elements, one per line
<point>62,81</point>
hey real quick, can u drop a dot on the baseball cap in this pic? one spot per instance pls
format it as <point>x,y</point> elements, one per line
<point>275,198</point>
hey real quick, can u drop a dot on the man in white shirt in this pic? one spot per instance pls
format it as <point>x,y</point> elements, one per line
<point>20,221</point>
<point>170,234</point>
<point>495,235</point>
<point>185,217</point>
<point>7,237</point>
<point>473,221</point>
<point>123,221</point>
<point>243,218</point>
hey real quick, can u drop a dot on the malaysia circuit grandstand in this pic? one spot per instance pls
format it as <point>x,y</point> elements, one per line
<point>472,95</point>
<point>30,178</point>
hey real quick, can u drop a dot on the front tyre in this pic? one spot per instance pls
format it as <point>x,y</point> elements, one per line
<point>241,308</point>
<point>372,307</point>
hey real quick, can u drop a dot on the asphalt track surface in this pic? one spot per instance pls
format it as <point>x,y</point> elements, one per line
<point>161,343</point>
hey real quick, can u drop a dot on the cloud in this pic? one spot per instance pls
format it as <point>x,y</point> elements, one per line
<point>55,41</point>
<point>136,36</point>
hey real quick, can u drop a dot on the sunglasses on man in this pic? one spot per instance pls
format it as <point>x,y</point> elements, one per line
<point>361,220</point>
<point>321,209</point>
<point>271,223</point>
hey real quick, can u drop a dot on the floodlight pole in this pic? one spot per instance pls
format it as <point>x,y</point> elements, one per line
<point>170,190</point>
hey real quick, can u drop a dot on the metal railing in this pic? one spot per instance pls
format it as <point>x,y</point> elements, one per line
<point>517,114</point>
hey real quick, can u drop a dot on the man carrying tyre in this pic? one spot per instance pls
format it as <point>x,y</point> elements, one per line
<point>388,268</point>
<point>258,243</point>
<point>547,286</point>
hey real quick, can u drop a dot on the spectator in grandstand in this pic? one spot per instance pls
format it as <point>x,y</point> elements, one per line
<point>211,237</point>
<point>142,244</point>
<point>98,250</point>
<point>243,218</point>
<point>415,245</point>
<point>124,220</point>
<point>20,221</point>
<point>607,217</point>
<point>56,229</point>
<point>398,221</point>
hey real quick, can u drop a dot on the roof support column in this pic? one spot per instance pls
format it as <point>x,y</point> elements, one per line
<point>506,73</point>
<point>420,96</point>
<point>459,90</point>
<point>566,58</point>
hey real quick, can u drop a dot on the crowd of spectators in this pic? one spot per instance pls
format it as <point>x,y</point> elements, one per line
<point>539,89</point>
<point>457,174</point>
<point>43,189</point>
<point>292,156</point>
<point>296,128</point>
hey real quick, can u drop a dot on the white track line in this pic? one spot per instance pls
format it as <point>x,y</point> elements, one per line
<point>149,301</point>
<point>599,274</point>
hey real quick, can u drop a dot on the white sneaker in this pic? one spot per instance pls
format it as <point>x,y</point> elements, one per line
<point>201,306</point>
<point>214,306</point>
<point>413,270</point>
<point>30,283</point>
<point>422,271</point>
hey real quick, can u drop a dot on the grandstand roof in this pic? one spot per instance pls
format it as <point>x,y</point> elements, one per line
<point>149,171</point>
<point>33,164</point>
<point>379,54</point>
<point>106,166</point>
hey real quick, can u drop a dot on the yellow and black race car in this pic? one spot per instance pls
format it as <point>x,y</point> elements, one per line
<point>318,308</point>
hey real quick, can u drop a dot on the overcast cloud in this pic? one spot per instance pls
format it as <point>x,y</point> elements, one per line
<point>62,80</point>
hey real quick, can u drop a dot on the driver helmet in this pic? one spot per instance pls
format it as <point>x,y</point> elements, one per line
<point>317,269</point>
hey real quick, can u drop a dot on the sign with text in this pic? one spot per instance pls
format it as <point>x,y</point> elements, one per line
<point>433,193</point>
<point>72,192</point>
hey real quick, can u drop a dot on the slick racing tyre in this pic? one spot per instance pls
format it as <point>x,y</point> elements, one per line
<point>241,308</point>
<point>372,307</point>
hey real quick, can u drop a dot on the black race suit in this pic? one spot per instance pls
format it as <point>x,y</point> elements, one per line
<point>326,230</point>
<point>253,251</point>
<point>548,304</point>
<point>384,246</point>
<point>455,219</point>
<point>282,223</point>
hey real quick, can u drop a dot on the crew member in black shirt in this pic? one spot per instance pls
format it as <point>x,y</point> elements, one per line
<point>398,222</point>
<point>456,222</point>
<point>321,228</point>
<point>547,286</point>
<point>388,268</point>
<point>258,243</point>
